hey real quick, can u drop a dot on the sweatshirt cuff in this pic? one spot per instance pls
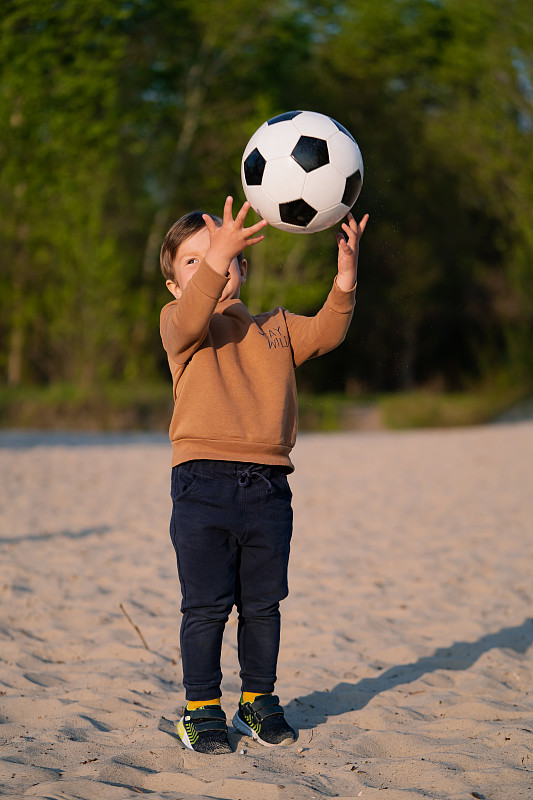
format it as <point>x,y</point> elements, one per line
<point>208,281</point>
<point>340,301</point>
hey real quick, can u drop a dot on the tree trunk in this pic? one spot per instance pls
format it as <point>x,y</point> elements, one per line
<point>14,356</point>
<point>195,93</point>
<point>407,375</point>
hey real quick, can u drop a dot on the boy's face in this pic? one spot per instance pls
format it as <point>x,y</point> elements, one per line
<point>190,253</point>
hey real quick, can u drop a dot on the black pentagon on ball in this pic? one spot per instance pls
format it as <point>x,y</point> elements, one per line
<point>311,153</point>
<point>352,189</point>
<point>282,117</point>
<point>254,166</point>
<point>342,128</point>
<point>297,212</point>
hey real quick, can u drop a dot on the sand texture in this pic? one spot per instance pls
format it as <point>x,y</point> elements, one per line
<point>407,646</point>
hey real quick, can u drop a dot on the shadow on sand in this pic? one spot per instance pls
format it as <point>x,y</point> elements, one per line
<point>309,710</point>
<point>66,534</point>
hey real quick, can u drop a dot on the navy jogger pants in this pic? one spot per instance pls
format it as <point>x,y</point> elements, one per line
<point>231,528</point>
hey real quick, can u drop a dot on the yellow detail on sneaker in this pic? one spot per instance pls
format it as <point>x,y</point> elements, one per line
<point>192,733</point>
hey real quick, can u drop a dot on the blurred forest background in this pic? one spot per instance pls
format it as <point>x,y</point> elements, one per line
<point>118,116</point>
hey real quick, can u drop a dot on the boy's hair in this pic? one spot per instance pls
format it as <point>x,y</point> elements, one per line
<point>182,230</point>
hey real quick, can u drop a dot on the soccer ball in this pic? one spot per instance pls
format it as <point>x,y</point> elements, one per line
<point>302,171</point>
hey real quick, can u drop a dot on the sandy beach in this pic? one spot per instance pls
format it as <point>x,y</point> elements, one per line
<point>407,646</point>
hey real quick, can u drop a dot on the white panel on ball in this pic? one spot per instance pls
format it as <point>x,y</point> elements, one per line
<point>273,144</point>
<point>323,190</point>
<point>325,219</point>
<point>344,154</point>
<point>310,123</point>
<point>283,179</point>
<point>263,204</point>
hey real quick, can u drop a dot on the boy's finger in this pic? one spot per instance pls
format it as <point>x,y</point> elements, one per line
<point>350,232</point>
<point>241,216</point>
<point>228,205</point>
<point>350,219</point>
<point>256,227</point>
<point>255,240</point>
<point>209,222</point>
<point>362,224</point>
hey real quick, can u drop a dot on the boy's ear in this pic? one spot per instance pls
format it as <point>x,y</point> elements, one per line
<point>174,289</point>
<point>243,269</point>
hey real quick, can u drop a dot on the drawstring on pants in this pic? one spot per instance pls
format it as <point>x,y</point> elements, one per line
<point>246,476</point>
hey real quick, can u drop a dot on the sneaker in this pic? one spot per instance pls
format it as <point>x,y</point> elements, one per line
<point>265,721</point>
<point>204,730</point>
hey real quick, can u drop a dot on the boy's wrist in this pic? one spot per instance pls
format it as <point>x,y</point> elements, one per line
<point>217,262</point>
<point>346,282</point>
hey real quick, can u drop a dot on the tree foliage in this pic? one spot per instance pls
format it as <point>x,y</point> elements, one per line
<point>118,117</point>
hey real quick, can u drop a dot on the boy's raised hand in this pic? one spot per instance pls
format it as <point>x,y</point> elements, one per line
<point>231,237</point>
<point>349,252</point>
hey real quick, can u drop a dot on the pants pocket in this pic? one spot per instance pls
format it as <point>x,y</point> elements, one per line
<point>182,482</point>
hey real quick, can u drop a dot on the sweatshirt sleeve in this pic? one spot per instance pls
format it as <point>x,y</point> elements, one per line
<point>184,322</point>
<point>314,336</point>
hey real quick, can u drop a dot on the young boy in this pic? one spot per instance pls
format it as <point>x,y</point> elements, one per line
<point>233,427</point>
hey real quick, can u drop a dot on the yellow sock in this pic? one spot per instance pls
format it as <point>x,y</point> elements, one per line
<point>249,697</point>
<point>193,704</point>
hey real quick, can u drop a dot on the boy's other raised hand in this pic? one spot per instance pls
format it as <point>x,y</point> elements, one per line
<point>349,252</point>
<point>231,237</point>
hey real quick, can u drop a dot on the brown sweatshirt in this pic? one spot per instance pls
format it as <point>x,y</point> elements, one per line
<point>233,373</point>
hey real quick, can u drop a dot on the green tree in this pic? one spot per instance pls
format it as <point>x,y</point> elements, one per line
<point>486,111</point>
<point>117,118</point>
<point>197,79</point>
<point>58,138</point>
<point>437,94</point>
